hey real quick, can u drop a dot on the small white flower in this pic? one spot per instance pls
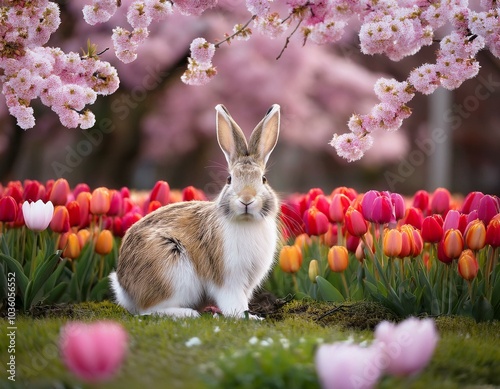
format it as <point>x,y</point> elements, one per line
<point>217,329</point>
<point>253,340</point>
<point>193,342</point>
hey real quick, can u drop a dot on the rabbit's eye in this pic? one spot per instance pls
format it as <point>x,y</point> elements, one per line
<point>228,180</point>
<point>264,179</point>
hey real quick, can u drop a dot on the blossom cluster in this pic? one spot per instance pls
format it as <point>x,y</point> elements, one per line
<point>65,82</point>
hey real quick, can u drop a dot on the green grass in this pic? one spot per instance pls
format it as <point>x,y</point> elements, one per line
<point>275,353</point>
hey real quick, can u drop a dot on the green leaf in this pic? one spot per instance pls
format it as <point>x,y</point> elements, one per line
<point>327,291</point>
<point>35,287</point>
<point>15,266</point>
<point>54,295</point>
<point>100,290</point>
<point>482,310</point>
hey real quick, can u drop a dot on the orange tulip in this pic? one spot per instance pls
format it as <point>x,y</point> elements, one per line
<point>467,265</point>
<point>100,202</point>
<point>338,258</point>
<point>303,240</point>
<point>104,242</point>
<point>393,242</point>
<point>290,259</point>
<point>475,235</point>
<point>453,243</point>
<point>72,249</point>
<point>83,237</point>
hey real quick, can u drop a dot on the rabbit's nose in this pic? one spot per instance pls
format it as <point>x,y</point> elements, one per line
<point>247,203</point>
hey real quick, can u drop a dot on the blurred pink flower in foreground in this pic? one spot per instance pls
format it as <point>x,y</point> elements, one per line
<point>346,366</point>
<point>399,349</point>
<point>93,352</point>
<point>37,215</point>
<point>408,346</point>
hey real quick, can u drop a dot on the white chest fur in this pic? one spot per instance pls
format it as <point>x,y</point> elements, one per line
<point>249,248</point>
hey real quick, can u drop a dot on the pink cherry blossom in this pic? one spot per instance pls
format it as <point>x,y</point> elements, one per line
<point>93,352</point>
<point>202,51</point>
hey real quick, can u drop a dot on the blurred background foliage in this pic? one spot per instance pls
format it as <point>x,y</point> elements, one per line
<point>155,127</point>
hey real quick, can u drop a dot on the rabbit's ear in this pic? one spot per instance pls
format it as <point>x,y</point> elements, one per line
<point>229,135</point>
<point>265,136</point>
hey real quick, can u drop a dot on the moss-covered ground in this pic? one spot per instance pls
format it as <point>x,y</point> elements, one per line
<point>274,353</point>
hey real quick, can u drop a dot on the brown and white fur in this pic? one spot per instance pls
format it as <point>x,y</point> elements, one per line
<point>185,255</point>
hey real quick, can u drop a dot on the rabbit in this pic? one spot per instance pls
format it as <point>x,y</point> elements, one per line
<point>185,255</point>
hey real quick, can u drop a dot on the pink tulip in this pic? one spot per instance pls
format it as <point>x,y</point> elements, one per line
<point>440,203</point>
<point>471,202</point>
<point>37,216</point>
<point>93,352</point>
<point>346,366</point>
<point>408,346</point>
<point>421,201</point>
<point>488,207</point>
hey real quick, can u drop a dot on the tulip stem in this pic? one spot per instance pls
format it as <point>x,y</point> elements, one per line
<point>402,270</point>
<point>101,267</point>
<point>450,291</point>
<point>444,282</point>
<point>344,281</point>
<point>490,273</point>
<point>340,237</point>
<point>33,255</point>
<point>295,283</point>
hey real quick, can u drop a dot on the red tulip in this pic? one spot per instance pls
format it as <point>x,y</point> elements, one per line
<point>8,209</point>
<point>94,352</point>
<point>421,201</point>
<point>60,219</point>
<point>315,222</point>
<point>291,217</point>
<point>312,194</point>
<point>190,193</point>
<point>349,192</point>
<point>414,217</point>
<point>33,191</point>
<point>129,219</point>
<point>322,204</point>
<point>432,230</point>
<point>153,206</point>
<point>440,202</point>
<point>115,203</point>
<point>15,190</point>
<point>355,223</point>
<point>338,207</point>
<point>453,243</point>
<point>467,265</point>
<point>73,208</point>
<point>338,258</point>
<point>352,243</point>
<point>60,191</point>
<point>161,193</point>
<point>493,232</point>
